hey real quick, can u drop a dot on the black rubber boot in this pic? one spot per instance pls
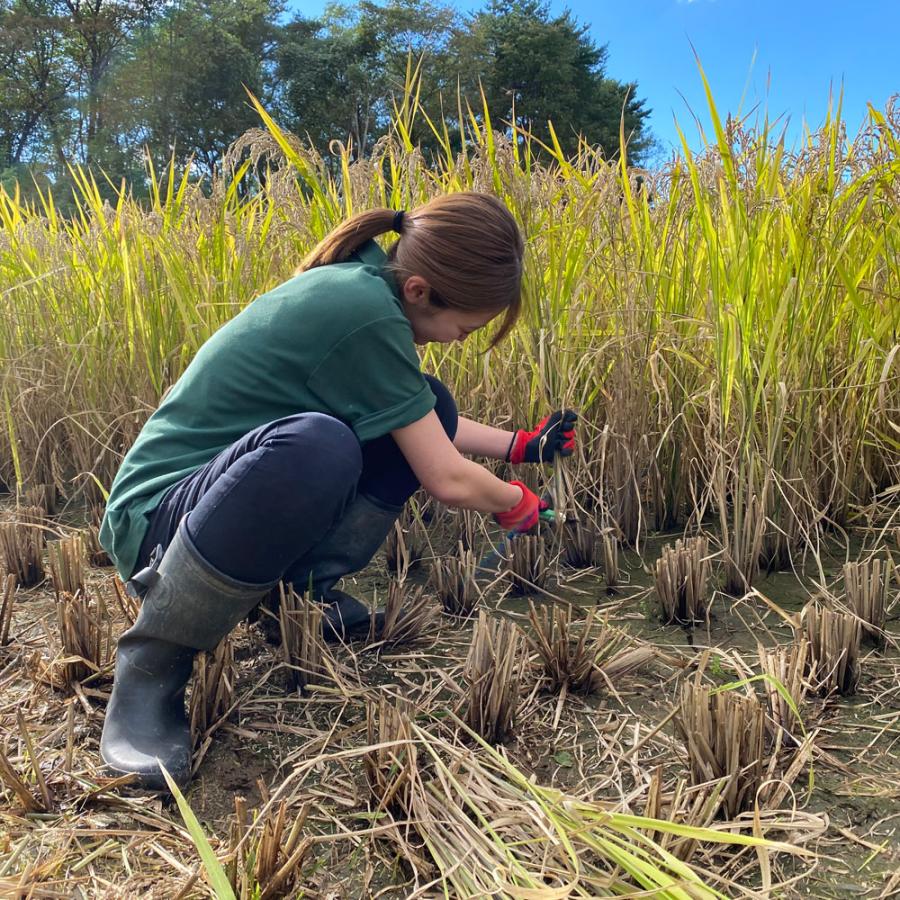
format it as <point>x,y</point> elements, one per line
<point>187,606</point>
<point>347,548</point>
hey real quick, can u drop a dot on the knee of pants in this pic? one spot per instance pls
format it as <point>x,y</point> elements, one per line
<point>445,405</point>
<point>323,447</point>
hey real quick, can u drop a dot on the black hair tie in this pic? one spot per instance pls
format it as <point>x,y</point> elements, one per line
<point>398,221</point>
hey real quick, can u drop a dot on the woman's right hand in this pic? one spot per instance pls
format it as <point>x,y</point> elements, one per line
<point>525,514</point>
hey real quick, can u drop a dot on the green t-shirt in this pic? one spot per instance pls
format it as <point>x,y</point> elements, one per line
<point>333,339</point>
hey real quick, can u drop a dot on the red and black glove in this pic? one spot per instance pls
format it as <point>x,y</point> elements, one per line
<point>555,434</point>
<point>525,514</point>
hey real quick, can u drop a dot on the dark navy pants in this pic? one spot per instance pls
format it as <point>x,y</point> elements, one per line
<point>262,504</point>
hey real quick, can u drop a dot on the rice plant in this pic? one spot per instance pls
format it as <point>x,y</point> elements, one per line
<point>409,615</point>
<point>7,593</point>
<point>66,558</point>
<point>302,642</point>
<point>867,584</point>
<point>453,578</point>
<point>682,581</point>
<point>87,646</point>
<point>212,695</point>
<point>834,644</point>
<point>22,546</point>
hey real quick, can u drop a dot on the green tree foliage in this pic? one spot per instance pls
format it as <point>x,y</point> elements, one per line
<point>104,82</point>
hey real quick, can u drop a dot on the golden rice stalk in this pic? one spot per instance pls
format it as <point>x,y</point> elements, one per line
<point>610,557</point>
<point>786,665</point>
<point>7,592</point>
<point>408,615</point>
<point>867,584</point>
<point>454,582</point>
<point>834,639</point>
<point>493,671</point>
<point>22,546</point>
<point>302,642</point>
<point>724,735</point>
<point>212,694</point>
<point>391,767</point>
<point>85,635</point>
<point>682,581</point>
<point>526,562</point>
<point>66,559</point>
<point>583,546</point>
<point>397,557</point>
<point>264,857</point>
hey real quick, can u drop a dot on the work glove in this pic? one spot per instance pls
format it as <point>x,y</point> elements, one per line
<point>554,434</point>
<point>525,514</point>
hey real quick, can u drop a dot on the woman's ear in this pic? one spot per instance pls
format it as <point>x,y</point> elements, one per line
<point>416,290</point>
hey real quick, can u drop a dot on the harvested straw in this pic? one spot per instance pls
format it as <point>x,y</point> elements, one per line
<point>85,634</point>
<point>408,615</point>
<point>724,736</point>
<point>302,643</point>
<point>682,581</point>
<point>583,546</point>
<point>66,559</point>
<point>834,639</point>
<point>787,666</point>
<point>867,583</point>
<point>494,669</point>
<point>22,546</point>
<point>7,592</point>
<point>264,859</point>
<point>526,562</point>
<point>454,582</point>
<point>392,765</point>
<point>212,695</point>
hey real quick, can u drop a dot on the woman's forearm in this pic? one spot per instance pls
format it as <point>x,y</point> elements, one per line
<point>481,440</point>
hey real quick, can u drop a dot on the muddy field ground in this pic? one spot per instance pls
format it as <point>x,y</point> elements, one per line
<point>831,791</point>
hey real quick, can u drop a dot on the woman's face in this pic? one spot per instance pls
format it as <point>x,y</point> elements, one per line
<point>441,324</point>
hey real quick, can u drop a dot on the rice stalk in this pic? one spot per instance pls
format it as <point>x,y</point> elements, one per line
<point>493,672</point>
<point>42,496</point>
<point>682,581</point>
<point>834,644</point>
<point>7,593</point>
<point>96,554</point>
<point>454,582</point>
<point>85,637</point>
<point>409,615</point>
<point>724,737</point>
<point>66,558</point>
<point>867,583</point>
<point>212,695</point>
<point>583,545</point>
<point>392,763</point>
<point>610,558</point>
<point>526,562</point>
<point>786,666</point>
<point>302,642</point>
<point>265,857</point>
<point>22,546</point>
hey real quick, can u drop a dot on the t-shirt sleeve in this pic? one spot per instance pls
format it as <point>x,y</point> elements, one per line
<point>371,379</point>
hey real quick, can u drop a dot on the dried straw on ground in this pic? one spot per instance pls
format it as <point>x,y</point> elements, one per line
<point>409,615</point>
<point>867,584</point>
<point>724,735</point>
<point>265,857</point>
<point>494,670</point>
<point>212,695</point>
<point>834,642</point>
<point>682,581</point>
<point>22,546</point>
<point>526,563</point>
<point>66,558</point>
<point>454,582</point>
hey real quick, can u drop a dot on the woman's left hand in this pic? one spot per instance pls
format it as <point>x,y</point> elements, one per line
<point>554,434</point>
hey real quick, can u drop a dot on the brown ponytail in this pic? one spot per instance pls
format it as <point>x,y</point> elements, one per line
<point>467,246</point>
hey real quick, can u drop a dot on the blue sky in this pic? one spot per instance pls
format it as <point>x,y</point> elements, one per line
<point>780,55</point>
